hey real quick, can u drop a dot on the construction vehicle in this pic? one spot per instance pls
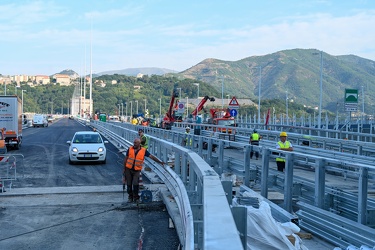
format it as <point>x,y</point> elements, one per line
<point>201,105</point>
<point>11,120</point>
<point>171,115</point>
<point>222,118</point>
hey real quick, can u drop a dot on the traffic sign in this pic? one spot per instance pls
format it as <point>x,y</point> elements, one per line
<point>181,107</point>
<point>233,112</point>
<point>351,95</point>
<point>234,102</point>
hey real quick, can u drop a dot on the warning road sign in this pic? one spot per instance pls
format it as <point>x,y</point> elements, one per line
<point>234,103</point>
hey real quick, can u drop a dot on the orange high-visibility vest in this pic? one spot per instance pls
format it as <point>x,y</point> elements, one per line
<point>137,161</point>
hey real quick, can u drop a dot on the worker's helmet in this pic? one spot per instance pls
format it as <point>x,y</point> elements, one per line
<point>283,134</point>
<point>187,128</point>
<point>140,130</point>
<point>255,130</point>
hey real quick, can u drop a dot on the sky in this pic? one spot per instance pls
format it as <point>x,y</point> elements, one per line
<point>46,37</point>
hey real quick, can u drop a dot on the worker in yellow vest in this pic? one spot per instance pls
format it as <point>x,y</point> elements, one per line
<point>254,140</point>
<point>187,141</point>
<point>284,145</point>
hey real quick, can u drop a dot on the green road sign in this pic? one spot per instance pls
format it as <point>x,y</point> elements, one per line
<point>351,95</point>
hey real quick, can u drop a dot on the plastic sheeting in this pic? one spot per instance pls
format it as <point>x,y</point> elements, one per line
<point>264,232</point>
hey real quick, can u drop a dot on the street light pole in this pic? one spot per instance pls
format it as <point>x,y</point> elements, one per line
<point>145,105</point>
<point>126,111</point>
<point>131,109</point>
<point>321,90</point>
<point>159,107</point>
<point>222,92</point>
<point>122,109</point>
<point>137,106</point>
<point>286,105</point>
<point>197,84</point>
<point>118,112</point>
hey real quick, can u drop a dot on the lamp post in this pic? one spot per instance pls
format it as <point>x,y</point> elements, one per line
<point>222,92</point>
<point>197,84</point>
<point>122,109</point>
<point>131,109</point>
<point>286,107</point>
<point>363,104</point>
<point>259,89</point>
<point>22,99</point>
<point>118,110</point>
<point>145,105</point>
<point>159,107</point>
<point>137,106</point>
<point>321,89</point>
<point>126,110</point>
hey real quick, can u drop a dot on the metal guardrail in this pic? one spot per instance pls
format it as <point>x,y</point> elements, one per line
<point>338,230</point>
<point>353,204</point>
<point>197,189</point>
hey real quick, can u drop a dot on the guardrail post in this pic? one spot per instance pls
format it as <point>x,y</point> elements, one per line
<point>200,145</point>
<point>177,163</point>
<point>359,149</point>
<point>227,186</point>
<point>362,195</point>
<point>288,182</point>
<point>320,181</point>
<point>220,158</point>
<point>265,172</point>
<point>240,218</point>
<point>184,168</point>
<point>247,165</point>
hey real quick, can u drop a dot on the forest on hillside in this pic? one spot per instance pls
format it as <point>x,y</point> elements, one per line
<point>120,89</point>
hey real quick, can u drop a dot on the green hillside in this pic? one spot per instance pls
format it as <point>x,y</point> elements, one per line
<point>294,71</point>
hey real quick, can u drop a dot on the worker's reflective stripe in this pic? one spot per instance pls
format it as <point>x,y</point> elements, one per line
<point>137,161</point>
<point>282,145</point>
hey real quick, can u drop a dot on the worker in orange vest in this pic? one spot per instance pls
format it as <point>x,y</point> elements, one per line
<point>133,165</point>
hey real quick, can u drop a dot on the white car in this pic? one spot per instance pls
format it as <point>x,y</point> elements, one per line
<point>87,146</point>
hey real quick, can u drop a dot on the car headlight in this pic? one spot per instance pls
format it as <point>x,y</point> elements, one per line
<point>74,150</point>
<point>100,149</point>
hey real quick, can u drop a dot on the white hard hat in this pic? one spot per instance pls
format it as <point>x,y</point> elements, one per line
<point>187,127</point>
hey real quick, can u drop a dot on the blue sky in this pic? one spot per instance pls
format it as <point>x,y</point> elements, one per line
<point>45,37</point>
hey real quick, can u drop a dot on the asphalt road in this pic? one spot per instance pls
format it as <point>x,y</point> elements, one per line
<point>54,205</point>
<point>46,164</point>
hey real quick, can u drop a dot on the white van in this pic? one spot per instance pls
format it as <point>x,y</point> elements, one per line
<point>40,120</point>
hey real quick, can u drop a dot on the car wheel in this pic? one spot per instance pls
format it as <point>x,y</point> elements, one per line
<point>70,162</point>
<point>105,161</point>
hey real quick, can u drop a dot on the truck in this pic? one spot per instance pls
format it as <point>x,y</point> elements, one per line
<point>201,105</point>
<point>11,120</point>
<point>222,117</point>
<point>171,116</point>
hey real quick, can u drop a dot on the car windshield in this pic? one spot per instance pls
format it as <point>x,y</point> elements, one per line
<point>225,122</point>
<point>87,138</point>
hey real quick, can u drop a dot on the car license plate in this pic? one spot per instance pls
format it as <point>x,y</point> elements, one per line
<point>87,155</point>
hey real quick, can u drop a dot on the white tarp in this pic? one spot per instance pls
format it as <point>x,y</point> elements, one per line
<point>264,232</point>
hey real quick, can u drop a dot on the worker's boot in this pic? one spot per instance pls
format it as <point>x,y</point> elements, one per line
<point>130,193</point>
<point>135,193</point>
